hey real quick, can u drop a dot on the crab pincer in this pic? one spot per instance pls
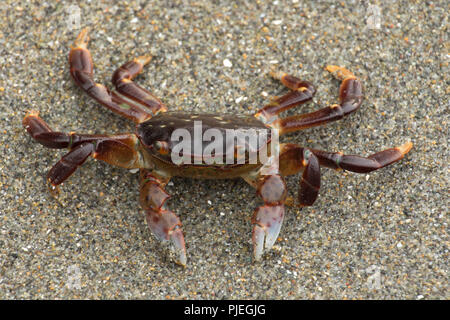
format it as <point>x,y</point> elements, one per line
<point>267,222</point>
<point>268,218</point>
<point>165,225</point>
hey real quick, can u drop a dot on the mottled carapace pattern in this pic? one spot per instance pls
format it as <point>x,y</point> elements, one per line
<point>160,129</point>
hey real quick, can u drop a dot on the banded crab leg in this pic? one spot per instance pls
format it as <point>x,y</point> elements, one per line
<point>119,150</point>
<point>163,223</point>
<point>126,89</point>
<point>302,92</point>
<point>350,96</point>
<point>81,70</point>
<point>358,164</point>
<point>294,158</point>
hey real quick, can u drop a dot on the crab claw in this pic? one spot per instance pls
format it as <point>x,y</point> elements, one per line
<point>165,225</point>
<point>177,239</point>
<point>267,222</point>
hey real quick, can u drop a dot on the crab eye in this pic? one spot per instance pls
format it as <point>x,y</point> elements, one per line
<point>161,146</point>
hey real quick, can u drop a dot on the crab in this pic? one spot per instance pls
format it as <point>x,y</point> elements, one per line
<point>149,148</point>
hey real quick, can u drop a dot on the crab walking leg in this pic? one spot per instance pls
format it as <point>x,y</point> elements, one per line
<point>267,219</point>
<point>350,97</point>
<point>120,150</point>
<point>122,80</point>
<point>337,160</point>
<point>289,81</point>
<point>302,92</point>
<point>293,159</point>
<point>67,165</point>
<point>41,132</point>
<point>164,224</point>
<point>81,69</point>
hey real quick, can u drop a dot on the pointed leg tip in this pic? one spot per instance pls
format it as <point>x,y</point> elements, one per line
<point>177,239</point>
<point>405,148</point>
<point>332,68</point>
<point>31,113</point>
<point>53,188</point>
<point>28,115</point>
<point>276,74</point>
<point>340,72</point>
<point>84,34</point>
<point>143,60</point>
<point>182,260</point>
<point>82,39</point>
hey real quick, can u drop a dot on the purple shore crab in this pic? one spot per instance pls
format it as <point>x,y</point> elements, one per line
<point>149,148</point>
